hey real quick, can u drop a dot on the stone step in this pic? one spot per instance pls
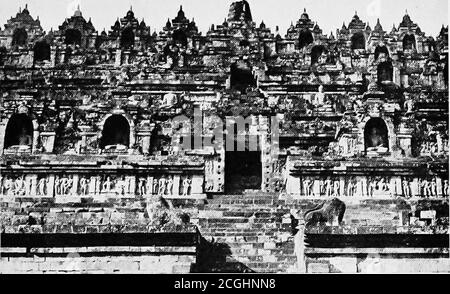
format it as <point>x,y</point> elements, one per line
<point>239,267</point>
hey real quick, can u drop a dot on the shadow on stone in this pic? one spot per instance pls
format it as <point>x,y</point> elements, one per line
<point>213,256</point>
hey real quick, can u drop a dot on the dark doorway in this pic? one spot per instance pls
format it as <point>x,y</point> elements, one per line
<point>20,37</point>
<point>358,41</point>
<point>241,76</point>
<point>160,143</point>
<point>19,131</point>
<point>179,37</point>
<point>316,52</point>
<point>244,43</point>
<point>409,42</point>
<point>41,51</point>
<point>127,38</point>
<point>376,133</point>
<point>116,130</point>
<point>243,170</point>
<point>73,37</point>
<point>385,71</point>
<point>305,38</point>
<point>381,50</point>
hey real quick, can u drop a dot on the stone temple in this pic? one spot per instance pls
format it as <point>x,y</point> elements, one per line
<point>127,151</point>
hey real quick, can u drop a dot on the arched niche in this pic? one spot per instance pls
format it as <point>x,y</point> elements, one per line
<point>376,134</point>
<point>127,38</point>
<point>72,37</point>
<point>116,131</point>
<point>241,76</point>
<point>19,131</point>
<point>385,71</point>
<point>358,41</point>
<point>180,37</point>
<point>20,37</point>
<point>316,52</point>
<point>409,42</point>
<point>381,50</point>
<point>305,38</point>
<point>41,51</point>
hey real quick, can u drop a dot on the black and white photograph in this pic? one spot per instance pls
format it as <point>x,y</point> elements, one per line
<point>228,136</point>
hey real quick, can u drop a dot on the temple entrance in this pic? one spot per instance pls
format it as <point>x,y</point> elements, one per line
<point>243,170</point>
<point>381,50</point>
<point>41,51</point>
<point>19,131</point>
<point>241,76</point>
<point>116,132</point>
<point>20,37</point>
<point>358,41</point>
<point>179,36</point>
<point>73,37</point>
<point>384,71</point>
<point>376,135</point>
<point>127,38</point>
<point>409,42</point>
<point>305,38</point>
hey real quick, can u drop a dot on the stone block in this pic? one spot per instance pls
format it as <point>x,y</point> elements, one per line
<point>181,268</point>
<point>270,245</point>
<point>318,267</point>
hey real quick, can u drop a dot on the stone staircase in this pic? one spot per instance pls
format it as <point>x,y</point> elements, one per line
<point>252,231</point>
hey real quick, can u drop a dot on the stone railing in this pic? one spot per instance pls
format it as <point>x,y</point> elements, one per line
<point>74,180</point>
